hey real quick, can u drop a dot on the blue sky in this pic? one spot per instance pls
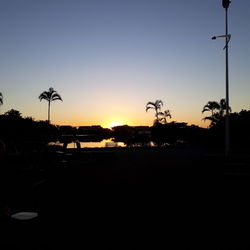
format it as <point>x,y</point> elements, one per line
<point>108,58</point>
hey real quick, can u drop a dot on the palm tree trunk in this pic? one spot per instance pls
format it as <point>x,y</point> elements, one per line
<point>157,115</point>
<point>49,112</point>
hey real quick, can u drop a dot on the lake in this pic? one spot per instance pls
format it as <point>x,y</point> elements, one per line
<point>106,143</point>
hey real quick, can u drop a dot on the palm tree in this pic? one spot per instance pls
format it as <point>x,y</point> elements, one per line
<point>49,96</point>
<point>157,105</point>
<point>160,116</point>
<point>223,107</point>
<point>164,115</point>
<point>211,106</point>
<point>1,98</point>
<point>217,111</point>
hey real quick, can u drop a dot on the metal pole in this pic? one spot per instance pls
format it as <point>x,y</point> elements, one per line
<point>227,139</point>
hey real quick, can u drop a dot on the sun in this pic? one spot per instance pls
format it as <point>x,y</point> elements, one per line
<point>115,123</point>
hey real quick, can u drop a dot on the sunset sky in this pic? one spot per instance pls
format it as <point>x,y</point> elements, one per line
<point>108,58</point>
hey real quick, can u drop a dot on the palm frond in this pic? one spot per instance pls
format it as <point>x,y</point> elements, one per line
<point>211,105</point>
<point>163,119</point>
<point>50,95</point>
<point>167,113</point>
<point>208,118</point>
<point>223,103</point>
<point>213,120</point>
<point>147,108</point>
<point>205,108</point>
<point>157,105</point>
<point>150,103</point>
<point>159,102</point>
<point>55,97</point>
<point>1,98</point>
<point>223,106</point>
<point>44,96</point>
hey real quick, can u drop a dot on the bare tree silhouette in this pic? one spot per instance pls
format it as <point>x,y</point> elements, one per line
<point>49,96</point>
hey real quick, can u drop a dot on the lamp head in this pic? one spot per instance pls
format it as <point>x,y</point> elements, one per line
<point>214,37</point>
<point>225,3</point>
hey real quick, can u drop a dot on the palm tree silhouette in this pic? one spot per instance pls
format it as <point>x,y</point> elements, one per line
<point>157,105</point>
<point>164,115</point>
<point>160,116</point>
<point>211,106</point>
<point>49,96</point>
<point>223,107</point>
<point>1,98</point>
<point>217,111</point>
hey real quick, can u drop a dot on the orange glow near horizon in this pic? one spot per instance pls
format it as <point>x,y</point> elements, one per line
<point>114,124</point>
<point>109,118</point>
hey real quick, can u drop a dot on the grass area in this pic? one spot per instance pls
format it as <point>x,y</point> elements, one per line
<point>117,197</point>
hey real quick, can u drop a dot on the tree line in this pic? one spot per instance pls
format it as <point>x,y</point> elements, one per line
<point>163,132</point>
<point>214,137</point>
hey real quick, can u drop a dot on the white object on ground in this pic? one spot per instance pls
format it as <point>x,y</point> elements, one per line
<point>24,215</point>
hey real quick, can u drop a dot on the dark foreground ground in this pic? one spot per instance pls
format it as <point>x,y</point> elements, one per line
<point>125,198</point>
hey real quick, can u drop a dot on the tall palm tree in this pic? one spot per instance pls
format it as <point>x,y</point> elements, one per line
<point>160,116</point>
<point>217,110</point>
<point>49,96</point>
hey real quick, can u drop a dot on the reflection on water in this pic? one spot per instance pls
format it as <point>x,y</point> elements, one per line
<point>100,144</point>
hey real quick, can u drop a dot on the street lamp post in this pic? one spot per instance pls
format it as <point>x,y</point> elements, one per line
<point>225,5</point>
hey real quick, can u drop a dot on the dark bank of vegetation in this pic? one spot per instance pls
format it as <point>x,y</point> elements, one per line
<point>239,126</point>
<point>24,134</point>
<point>161,135</point>
<point>239,131</point>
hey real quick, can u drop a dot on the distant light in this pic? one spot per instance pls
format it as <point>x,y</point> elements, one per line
<point>225,3</point>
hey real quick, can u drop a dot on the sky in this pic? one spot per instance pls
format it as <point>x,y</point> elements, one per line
<point>108,58</point>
